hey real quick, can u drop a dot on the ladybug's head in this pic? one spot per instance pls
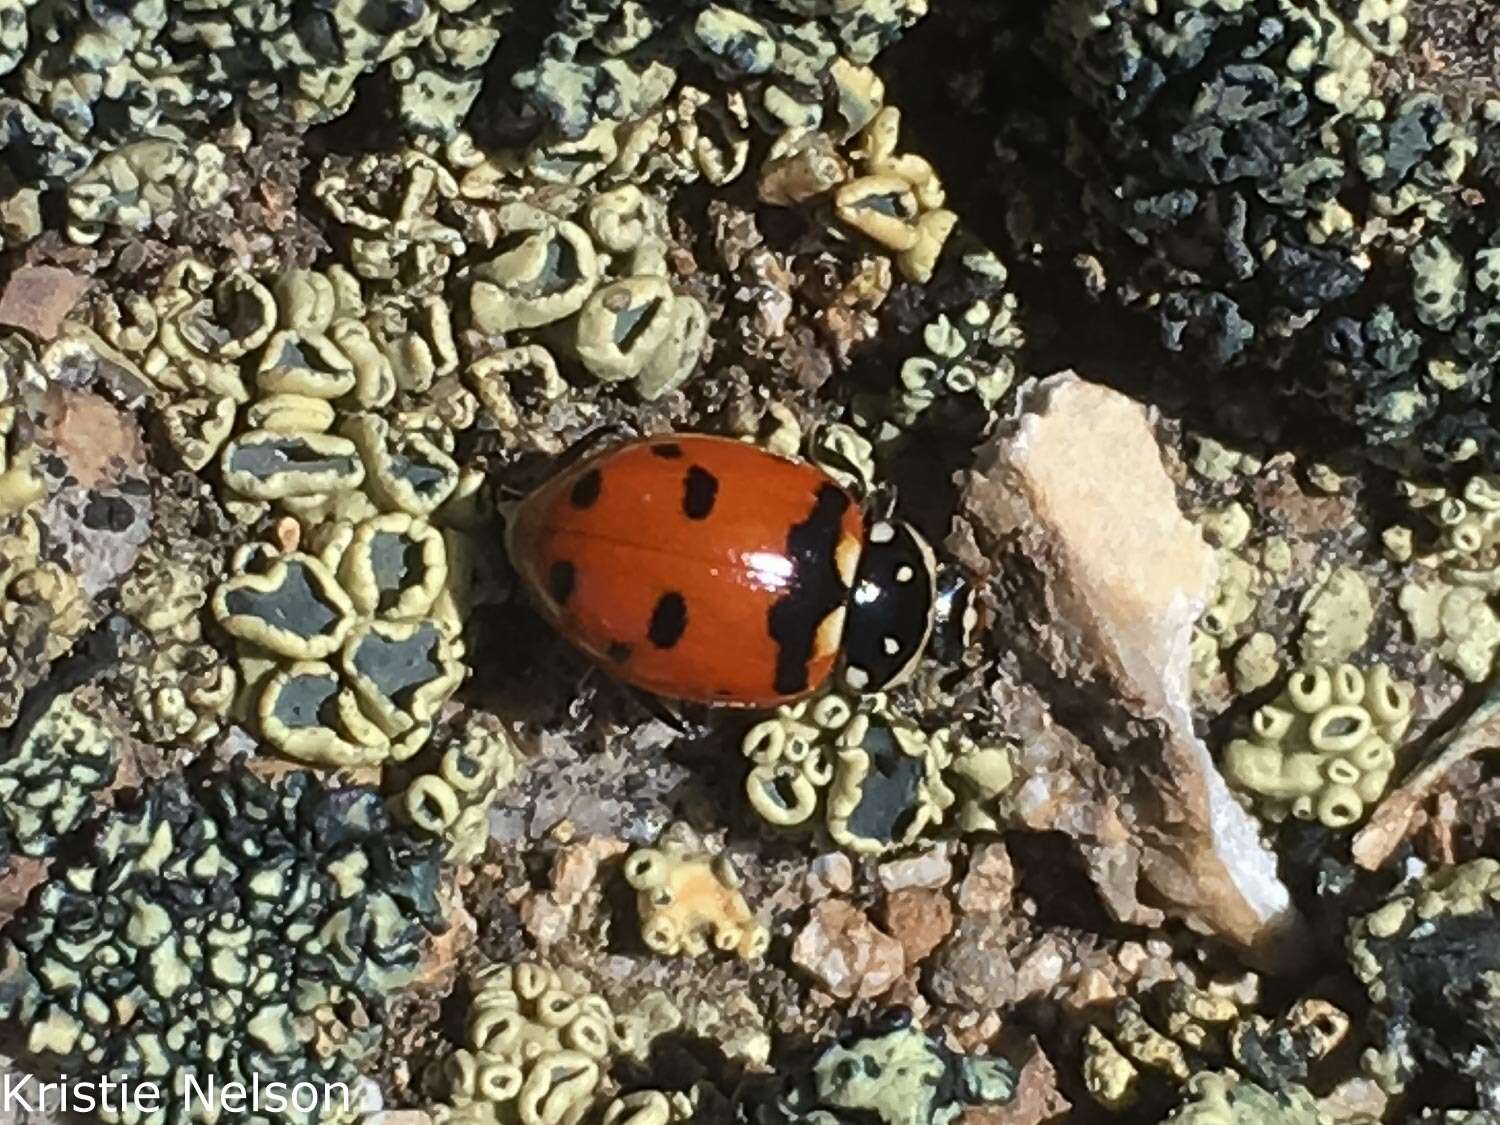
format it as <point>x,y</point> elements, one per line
<point>890,611</point>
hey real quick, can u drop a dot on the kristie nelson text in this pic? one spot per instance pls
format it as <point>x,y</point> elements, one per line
<point>118,1095</point>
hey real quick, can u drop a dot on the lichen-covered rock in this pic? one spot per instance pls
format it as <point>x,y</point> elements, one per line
<point>405,232</point>
<point>141,184</point>
<point>1458,621</point>
<point>1447,600</point>
<point>348,654</point>
<point>55,766</point>
<point>878,783</point>
<point>889,1074</point>
<point>128,92</point>
<point>538,1045</point>
<point>507,379</point>
<point>1246,179</point>
<point>466,772</point>
<point>20,486</point>
<point>42,613</point>
<point>898,201</point>
<point>540,275</point>
<point>216,929</point>
<point>1225,1099</point>
<point>661,1107</point>
<point>967,352</point>
<point>1430,959</point>
<point>1176,1030</point>
<point>1326,747</point>
<point>689,901</point>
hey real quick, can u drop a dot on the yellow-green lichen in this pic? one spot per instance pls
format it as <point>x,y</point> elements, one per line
<point>654,1107</point>
<point>1338,613</point>
<point>407,471</point>
<point>142,182</point>
<point>1246,570</point>
<point>1166,1034</point>
<point>348,654</point>
<point>1460,622</point>
<point>525,374</point>
<point>967,353</point>
<point>43,611</point>
<point>401,237</point>
<point>877,783</point>
<point>688,901</point>
<point>891,1073</point>
<point>294,608</point>
<point>1325,748</point>
<point>452,796</point>
<point>1228,1099</point>
<point>537,1045</point>
<point>1256,663</point>
<point>896,199</point>
<point>183,689</point>
<point>542,274</point>
<point>637,328</point>
<point>333,907</point>
<point>1448,600</point>
<point>20,486</point>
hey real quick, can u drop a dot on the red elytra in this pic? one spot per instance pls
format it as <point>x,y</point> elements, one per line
<point>695,567</point>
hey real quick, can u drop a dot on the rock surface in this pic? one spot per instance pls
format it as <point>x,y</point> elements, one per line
<point>847,953</point>
<point>37,298</point>
<point>919,919</point>
<point>930,868</point>
<point>990,882</point>
<point>98,511</point>
<point>1037,1100</point>
<point>1124,581</point>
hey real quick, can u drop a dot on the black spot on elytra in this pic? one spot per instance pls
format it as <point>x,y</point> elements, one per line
<point>586,490</point>
<point>667,451</point>
<point>619,651</point>
<point>561,578</point>
<point>700,488</point>
<point>668,620</point>
<point>817,588</point>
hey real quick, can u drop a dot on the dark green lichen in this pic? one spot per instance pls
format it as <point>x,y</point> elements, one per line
<point>1430,958</point>
<point>219,929</point>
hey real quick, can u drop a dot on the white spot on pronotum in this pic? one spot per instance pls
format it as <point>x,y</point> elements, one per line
<point>856,678</point>
<point>905,574</point>
<point>892,646</point>
<point>882,533</point>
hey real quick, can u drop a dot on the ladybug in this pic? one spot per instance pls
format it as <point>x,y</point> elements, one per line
<point>709,570</point>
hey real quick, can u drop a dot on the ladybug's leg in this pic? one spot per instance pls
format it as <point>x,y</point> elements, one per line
<point>602,435</point>
<point>957,614</point>
<point>507,494</point>
<point>880,502</point>
<point>671,714</point>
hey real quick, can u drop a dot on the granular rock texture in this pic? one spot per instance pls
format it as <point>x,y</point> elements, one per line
<point>221,931</point>
<point>1171,327</point>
